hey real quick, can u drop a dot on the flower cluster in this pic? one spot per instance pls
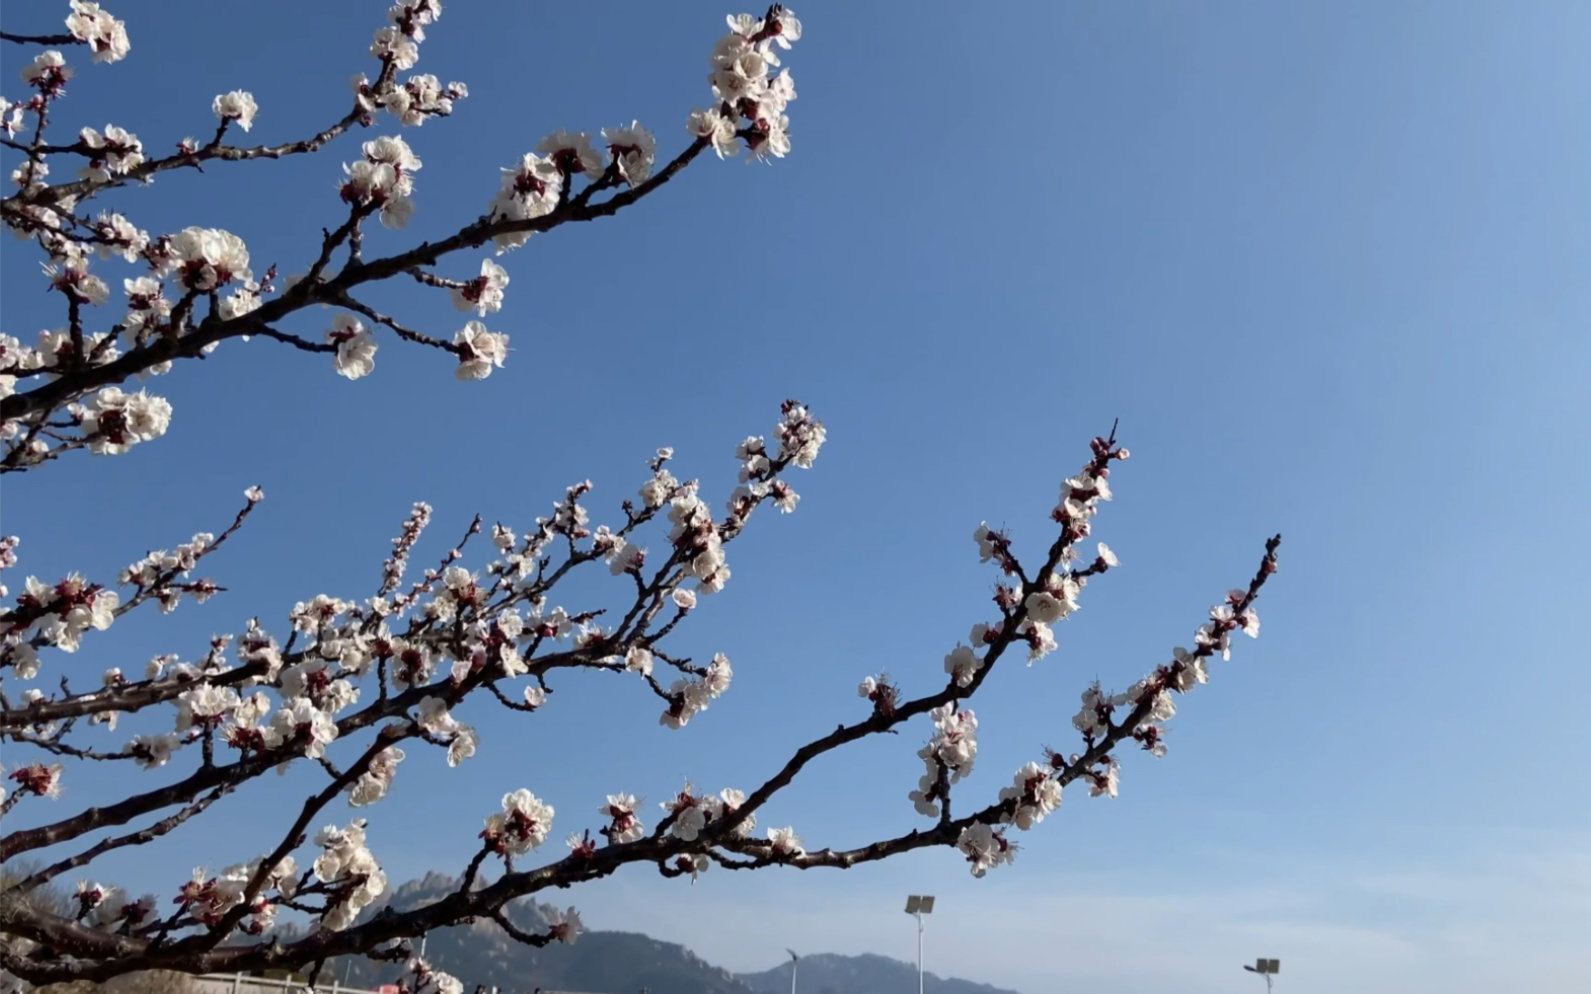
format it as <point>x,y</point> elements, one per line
<point>985,847</point>
<point>351,873</point>
<point>202,259</point>
<point>522,826</point>
<point>155,572</point>
<point>691,814</point>
<point>105,36</point>
<point>58,614</point>
<point>399,42</point>
<point>744,87</point>
<point>117,152</point>
<point>435,719</point>
<point>107,908</point>
<point>1032,795</point>
<point>625,825</point>
<point>48,72</point>
<point>374,783</point>
<point>382,180</point>
<point>947,757</point>
<point>689,695</point>
<point>210,899</point>
<point>532,188</point>
<point>420,99</point>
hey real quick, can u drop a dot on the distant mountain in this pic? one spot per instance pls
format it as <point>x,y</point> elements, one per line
<point>604,962</point>
<point>616,962</point>
<point>827,973</point>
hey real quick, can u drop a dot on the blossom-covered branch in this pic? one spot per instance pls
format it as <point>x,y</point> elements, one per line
<point>348,688</point>
<point>428,644</point>
<point>198,287</point>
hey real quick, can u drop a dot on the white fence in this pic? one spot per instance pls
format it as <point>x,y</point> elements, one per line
<point>228,983</point>
<point>238,983</point>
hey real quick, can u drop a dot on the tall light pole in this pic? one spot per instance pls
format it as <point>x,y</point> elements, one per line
<point>919,905</point>
<point>795,962</point>
<point>1266,968</point>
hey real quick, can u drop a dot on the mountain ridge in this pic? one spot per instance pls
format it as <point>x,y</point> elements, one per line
<point>617,962</point>
<point>867,973</point>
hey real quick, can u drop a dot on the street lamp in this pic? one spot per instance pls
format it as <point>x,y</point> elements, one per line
<point>1266,968</point>
<point>919,905</point>
<point>795,962</point>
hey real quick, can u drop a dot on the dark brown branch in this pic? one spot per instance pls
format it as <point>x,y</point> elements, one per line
<point>138,838</point>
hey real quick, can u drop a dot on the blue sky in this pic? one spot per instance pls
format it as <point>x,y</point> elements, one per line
<point>1326,264</point>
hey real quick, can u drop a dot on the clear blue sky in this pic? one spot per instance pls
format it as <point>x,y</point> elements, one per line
<point>1326,262</point>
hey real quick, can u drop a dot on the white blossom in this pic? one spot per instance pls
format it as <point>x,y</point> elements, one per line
<point>115,422</point>
<point>122,152</point>
<point>207,258</point>
<point>523,824</point>
<point>484,294</point>
<point>564,925</point>
<point>633,149</point>
<point>356,347</point>
<point>985,847</point>
<point>48,71</point>
<point>626,825</point>
<point>963,664</point>
<point>105,35</point>
<point>571,152</point>
<point>1034,794</point>
<point>302,723</point>
<point>236,106</point>
<point>717,129</point>
<point>639,660</point>
<point>785,842</point>
<point>479,351</point>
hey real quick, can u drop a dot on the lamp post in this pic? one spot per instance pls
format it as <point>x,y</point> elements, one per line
<point>919,905</point>
<point>1266,968</point>
<point>795,963</point>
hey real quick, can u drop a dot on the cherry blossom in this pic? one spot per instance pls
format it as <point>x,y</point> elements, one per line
<point>571,153</point>
<point>206,258</point>
<point>985,848</point>
<point>356,347</point>
<point>633,149</point>
<point>565,926</point>
<point>351,870</point>
<point>105,36</point>
<point>484,294</point>
<point>39,779</point>
<point>421,98</point>
<point>621,810</point>
<point>479,351</point>
<point>1032,794</point>
<point>236,106</point>
<point>785,843</point>
<point>963,664</point>
<point>122,152</point>
<point>522,826</point>
<point>48,72</point>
